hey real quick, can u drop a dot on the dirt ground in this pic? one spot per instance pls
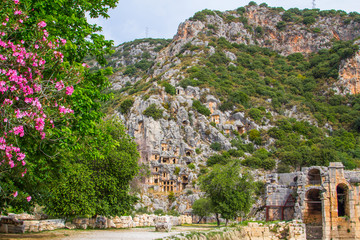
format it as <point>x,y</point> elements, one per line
<point>108,234</point>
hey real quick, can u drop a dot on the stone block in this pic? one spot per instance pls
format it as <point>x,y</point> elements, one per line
<point>163,226</point>
<point>70,225</point>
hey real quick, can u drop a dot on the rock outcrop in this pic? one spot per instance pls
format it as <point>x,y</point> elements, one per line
<point>349,75</point>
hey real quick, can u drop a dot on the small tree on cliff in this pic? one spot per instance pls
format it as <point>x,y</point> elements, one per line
<point>229,189</point>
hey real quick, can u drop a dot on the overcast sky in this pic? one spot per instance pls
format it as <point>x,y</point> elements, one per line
<point>134,19</point>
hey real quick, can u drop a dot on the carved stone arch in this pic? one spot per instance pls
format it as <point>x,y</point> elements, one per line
<point>313,211</point>
<point>342,195</point>
<point>314,176</point>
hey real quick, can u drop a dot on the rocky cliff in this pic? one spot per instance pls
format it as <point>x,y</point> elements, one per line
<point>252,84</point>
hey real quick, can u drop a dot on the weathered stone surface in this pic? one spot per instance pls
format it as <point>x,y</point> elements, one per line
<point>163,224</point>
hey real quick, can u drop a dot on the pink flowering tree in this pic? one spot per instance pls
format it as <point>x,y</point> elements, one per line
<point>35,86</point>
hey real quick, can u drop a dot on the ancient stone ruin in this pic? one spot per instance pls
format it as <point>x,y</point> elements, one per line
<point>326,199</point>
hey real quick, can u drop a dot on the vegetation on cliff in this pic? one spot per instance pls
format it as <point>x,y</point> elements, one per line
<point>268,87</point>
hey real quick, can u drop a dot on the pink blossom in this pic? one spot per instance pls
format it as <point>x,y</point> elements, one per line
<point>23,162</point>
<point>59,85</point>
<point>17,12</point>
<point>28,100</point>
<point>69,90</point>
<point>11,163</point>
<point>20,156</point>
<point>15,194</point>
<point>63,109</point>
<point>40,124</point>
<point>21,21</point>
<point>28,198</point>
<point>43,135</point>
<point>63,41</point>
<point>5,120</point>
<point>36,46</point>
<point>16,1</point>
<point>19,131</point>
<point>8,102</point>
<point>42,24</point>
<point>23,173</point>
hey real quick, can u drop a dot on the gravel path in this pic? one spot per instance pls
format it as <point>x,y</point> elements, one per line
<point>128,234</point>
<point>108,234</point>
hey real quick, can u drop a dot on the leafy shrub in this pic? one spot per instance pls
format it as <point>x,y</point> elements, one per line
<point>170,89</point>
<point>239,97</point>
<point>254,135</point>
<point>255,114</point>
<point>201,15</point>
<point>252,3</point>
<point>171,197</point>
<point>130,70</point>
<point>236,153</point>
<point>159,212</point>
<point>222,159</point>
<point>201,108</point>
<point>144,64</point>
<point>259,31</point>
<point>126,105</point>
<point>281,25</point>
<point>177,171</point>
<point>142,210</point>
<point>153,111</point>
<point>259,188</point>
<point>173,212</point>
<point>216,146</point>
<point>189,192</point>
<point>241,10</point>
<point>309,20</point>
<point>191,166</point>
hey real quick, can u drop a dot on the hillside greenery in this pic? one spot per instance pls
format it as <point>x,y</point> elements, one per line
<point>267,86</point>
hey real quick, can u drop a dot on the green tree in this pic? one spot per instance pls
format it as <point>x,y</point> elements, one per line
<point>126,105</point>
<point>96,182</point>
<point>202,208</point>
<point>153,111</point>
<point>66,20</point>
<point>201,108</point>
<point>229,189</point>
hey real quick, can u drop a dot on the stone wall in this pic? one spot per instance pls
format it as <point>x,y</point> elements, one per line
<point>13,225</point>
<point>10,224</point>
<point>144,220</point>
<point>326,199</point>
<point>253,231</point>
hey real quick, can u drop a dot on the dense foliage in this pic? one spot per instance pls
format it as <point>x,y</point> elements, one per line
<point>36,86</point>
<point>229,190</point>
<point>97,180</point>
<point>153,111</point>
<point>263,81</point>
<point>52,160</point>
<point>202,208</point>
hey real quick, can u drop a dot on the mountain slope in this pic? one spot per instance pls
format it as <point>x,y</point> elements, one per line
<point>272,89</point>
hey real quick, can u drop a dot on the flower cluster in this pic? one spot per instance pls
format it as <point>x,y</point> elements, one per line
<point>33,83</point>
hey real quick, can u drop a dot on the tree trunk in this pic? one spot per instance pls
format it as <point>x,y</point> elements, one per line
<point>226,222</point>
<point>200,220</point>
<point>217,219</point>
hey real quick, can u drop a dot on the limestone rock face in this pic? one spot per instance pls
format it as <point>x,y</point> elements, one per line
<point>176,146</point>
<point>349,75</point>
<point>295,38</point>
